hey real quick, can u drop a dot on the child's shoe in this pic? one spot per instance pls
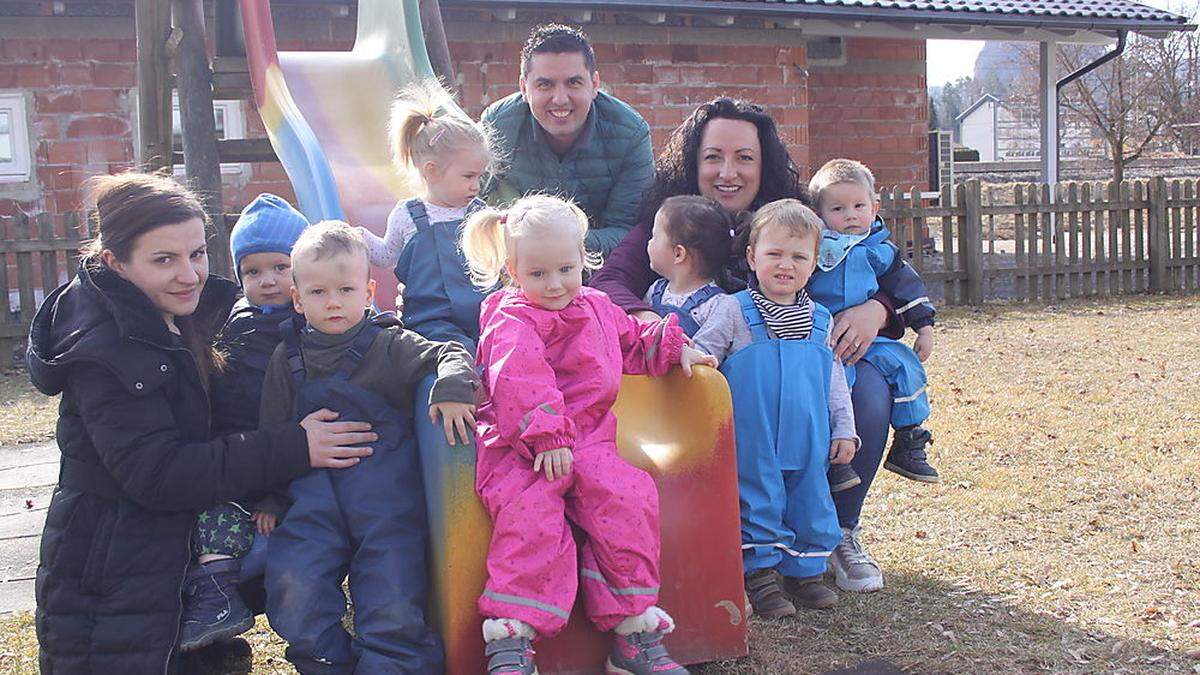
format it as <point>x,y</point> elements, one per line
<point>907,455</point>
<point>212,608</point>
<point>510,656</point>
<point>766,594</point>
<point>842,477</point>
<point>810,592</point>
<point>641,654</point>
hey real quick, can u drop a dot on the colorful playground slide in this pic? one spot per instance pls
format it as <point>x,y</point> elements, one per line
<point>326,116</point>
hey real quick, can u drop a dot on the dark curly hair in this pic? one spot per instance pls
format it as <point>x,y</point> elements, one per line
<point>554,38</point>
<point>676,166</point>
<point>702,226</point>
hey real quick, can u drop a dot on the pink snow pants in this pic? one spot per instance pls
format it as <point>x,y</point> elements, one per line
<point>533,568</point>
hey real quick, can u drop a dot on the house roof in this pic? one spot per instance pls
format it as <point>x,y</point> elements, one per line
<point>971,19</point>
<point>982,99</point>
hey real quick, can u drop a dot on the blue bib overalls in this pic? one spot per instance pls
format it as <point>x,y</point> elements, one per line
<point>852,283</point>
<point>781,422</point>
<point>367,521</point>
<point>686,321</point>
<point>440,302</point>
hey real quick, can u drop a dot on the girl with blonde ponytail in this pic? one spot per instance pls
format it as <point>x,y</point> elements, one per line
<point>431,138</point>
<point>552,353</point>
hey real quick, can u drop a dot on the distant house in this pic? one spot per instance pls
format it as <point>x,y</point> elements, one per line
<point>1008,130</point>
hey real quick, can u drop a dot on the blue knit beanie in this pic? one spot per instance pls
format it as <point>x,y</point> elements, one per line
<point>267,225</point>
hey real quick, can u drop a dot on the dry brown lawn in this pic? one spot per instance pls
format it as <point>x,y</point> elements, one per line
<point>1064,536</point>
<point>26,415</point>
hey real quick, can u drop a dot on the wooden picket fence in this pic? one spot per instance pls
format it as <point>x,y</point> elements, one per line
<point>37,254</point>
<point>1089,240</point>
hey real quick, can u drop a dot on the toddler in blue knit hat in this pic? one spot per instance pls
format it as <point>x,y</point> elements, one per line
<point>261,244</point>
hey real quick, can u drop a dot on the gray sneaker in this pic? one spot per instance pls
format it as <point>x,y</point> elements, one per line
<point>852,568</point>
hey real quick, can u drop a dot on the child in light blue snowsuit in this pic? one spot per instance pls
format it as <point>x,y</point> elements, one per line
<point>856,261</point>
<point>366,522</point>
<point>792,415</point>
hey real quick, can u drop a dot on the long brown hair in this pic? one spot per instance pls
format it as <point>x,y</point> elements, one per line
<point>123,207</point>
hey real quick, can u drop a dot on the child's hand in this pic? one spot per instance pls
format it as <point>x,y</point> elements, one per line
<point>460,416</point>
<point>647,315</point>
<point>690,356</point>
<point>265,521</point>
<point>556,462</point>
<point>841,451</point>
<point>923,345</point>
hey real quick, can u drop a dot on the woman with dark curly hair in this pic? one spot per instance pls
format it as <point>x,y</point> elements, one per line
<point>730,151</point>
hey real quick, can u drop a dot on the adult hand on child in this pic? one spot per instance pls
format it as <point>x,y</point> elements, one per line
<point>923,345</point>
<point>855,328</point>
<point>556,463</point>
<point>330,443</point>
<point>690,356</point>
<point>265,522</point>
<point>460,416</point>
<point>842,450</point>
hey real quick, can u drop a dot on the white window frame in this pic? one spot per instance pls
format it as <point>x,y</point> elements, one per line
<point>235,128</point>
<point>20,170</point>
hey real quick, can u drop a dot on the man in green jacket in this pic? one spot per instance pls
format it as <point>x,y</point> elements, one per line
<point>561,134</point>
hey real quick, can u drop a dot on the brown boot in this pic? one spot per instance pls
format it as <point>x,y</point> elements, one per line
<point>810,592</point>
<point>767,596</point>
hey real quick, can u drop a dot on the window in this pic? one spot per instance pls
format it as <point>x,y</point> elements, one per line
<point>14,139</point>
<point>227,115</point>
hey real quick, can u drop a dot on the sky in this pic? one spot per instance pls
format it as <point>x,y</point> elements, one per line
<point>948,60</point>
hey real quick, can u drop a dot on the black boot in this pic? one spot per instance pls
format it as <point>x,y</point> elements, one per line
<point>212,608</point>
<point>907,455</point>
<point>842,477</point>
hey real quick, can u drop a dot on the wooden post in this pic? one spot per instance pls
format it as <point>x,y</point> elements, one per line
<point>153,26</point>
<point>436,44</point>
<point>1158,247</point>
<point>971,240</point>
<point>200,158</point>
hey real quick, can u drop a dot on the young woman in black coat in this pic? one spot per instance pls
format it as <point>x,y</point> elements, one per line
<point>128,345</point>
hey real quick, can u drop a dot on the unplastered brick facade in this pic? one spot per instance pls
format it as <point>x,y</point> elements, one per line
<point>79,78</point>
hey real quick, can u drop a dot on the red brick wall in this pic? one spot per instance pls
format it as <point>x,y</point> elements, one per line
<point>81,110</point>
<point>873,109</point>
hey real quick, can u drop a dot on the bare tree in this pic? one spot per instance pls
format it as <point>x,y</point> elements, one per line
<point>1134,101</point>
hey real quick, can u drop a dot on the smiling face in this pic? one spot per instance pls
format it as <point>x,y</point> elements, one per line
<point>729,163</point>
<point>848,208</point>
<point>266,278</point>
<point>782,262</point>
<point>549,270</point>
<point>169,264</point>
<point>560,89</point>
<point>454,181</point>
<point>332,292</point>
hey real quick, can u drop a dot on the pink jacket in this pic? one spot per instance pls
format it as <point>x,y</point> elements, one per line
<point>550,378</point>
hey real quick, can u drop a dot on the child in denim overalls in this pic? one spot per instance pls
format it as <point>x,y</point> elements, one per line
<point>450,153</point>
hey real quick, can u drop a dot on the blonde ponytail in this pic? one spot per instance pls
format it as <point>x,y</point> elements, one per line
<point>485,247</point>
<point>426,124</point>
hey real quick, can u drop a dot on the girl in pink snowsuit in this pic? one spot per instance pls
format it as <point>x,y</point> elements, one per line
<point>552,354</point>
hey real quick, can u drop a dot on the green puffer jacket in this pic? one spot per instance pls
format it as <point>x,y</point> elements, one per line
<point>606,172</point>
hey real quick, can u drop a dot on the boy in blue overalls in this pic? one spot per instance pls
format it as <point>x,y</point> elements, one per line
<point>856,261</point>
<point>366,521</point>
<point>792,416</point>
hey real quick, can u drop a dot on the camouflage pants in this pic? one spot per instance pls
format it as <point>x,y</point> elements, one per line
<point>225,529</point>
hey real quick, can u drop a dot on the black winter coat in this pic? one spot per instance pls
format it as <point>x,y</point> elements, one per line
<point>137,464</point>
